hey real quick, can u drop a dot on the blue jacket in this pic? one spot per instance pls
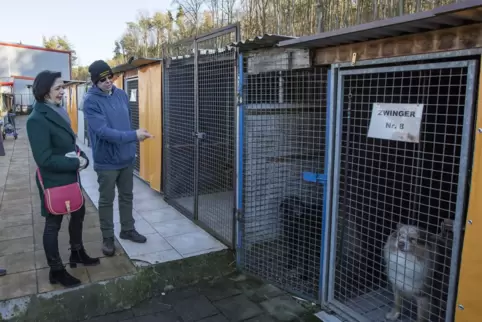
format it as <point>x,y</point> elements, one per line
<point>109,122</point>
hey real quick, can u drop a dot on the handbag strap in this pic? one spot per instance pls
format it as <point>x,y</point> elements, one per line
<point>42,181</point>
<point>40,176</point>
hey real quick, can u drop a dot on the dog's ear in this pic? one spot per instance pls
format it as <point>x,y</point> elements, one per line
<point>399,225</point>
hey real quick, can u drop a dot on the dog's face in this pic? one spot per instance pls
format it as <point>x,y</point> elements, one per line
<point>407,238</point>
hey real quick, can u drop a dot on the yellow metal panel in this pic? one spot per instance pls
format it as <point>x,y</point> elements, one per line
<point>469,300</point>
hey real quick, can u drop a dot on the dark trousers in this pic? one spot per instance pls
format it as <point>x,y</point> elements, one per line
<point>51,236</point>
<point>108,180</point>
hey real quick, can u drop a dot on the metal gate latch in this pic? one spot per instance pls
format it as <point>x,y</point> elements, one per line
<point>200,135</point>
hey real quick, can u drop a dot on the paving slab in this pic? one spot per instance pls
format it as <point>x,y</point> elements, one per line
<point>195,308</point>
<point>21,230</point>
<point>192,304</point>
<point>170,235</point>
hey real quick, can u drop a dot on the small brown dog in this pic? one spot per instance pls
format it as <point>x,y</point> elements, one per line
<point>410,260</point>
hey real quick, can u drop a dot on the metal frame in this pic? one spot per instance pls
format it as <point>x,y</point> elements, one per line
<point>328,187</point>
<point>165,100</point>
<point>320,176</point>
<point>330,256</point>
<point>239,159</point>
<point>412,58</point>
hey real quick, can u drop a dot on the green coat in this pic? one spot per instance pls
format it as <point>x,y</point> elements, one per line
<point>51,137</point>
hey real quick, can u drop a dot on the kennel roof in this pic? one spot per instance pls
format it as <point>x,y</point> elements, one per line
<point>134,63</point>
<point>452,15</point>
<point>258,42</point>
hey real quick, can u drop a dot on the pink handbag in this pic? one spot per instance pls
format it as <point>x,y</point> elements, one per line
<point>62,200</point>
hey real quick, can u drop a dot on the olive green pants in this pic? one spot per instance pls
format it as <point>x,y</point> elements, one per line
<point>108,180</point>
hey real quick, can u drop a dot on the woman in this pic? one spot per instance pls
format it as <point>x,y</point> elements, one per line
<point>52,141</point>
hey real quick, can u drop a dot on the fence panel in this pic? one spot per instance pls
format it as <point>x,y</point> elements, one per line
<point>216,128</point>
<point>284,174</point>
<point>199,130</point>
<point>404,171</point>
<point>179,140</point>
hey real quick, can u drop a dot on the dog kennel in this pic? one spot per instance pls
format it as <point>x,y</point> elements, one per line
<point>199,132</point>
<point>282,166</point>
<point>391,167</point>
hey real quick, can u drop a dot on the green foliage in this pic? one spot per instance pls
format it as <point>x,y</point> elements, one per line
<point>60,43</point>
<point>160,33</point>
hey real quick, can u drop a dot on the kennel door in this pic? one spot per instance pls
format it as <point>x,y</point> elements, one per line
<point>216,97</point>
<point>401,154</point>
<point>179,140</point>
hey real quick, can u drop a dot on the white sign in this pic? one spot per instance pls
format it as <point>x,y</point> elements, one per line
<point>133,95</point>
<point>398,122</point>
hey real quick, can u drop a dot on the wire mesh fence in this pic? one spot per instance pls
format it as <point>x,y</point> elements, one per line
<point>216,120</point>
<point>199,132</point>
<point>283,169</point>
<point>179,140</point>
<point>396,198</point>
<point>132,90</point>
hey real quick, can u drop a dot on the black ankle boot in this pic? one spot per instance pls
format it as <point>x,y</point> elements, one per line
<point>81,257</point>
<point>64,278</point>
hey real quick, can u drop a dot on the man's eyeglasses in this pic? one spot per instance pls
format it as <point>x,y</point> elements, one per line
<point>103,80</point>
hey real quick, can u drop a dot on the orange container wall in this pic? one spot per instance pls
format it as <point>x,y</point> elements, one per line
<point>150,118</point>
<point>469,301</point>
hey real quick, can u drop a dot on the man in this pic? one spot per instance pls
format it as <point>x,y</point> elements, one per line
<point>107,112</point>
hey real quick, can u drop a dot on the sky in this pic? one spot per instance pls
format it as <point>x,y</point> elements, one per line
<point>91,26</point>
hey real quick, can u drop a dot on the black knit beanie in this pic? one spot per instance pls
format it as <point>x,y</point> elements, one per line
<point>98,70</point>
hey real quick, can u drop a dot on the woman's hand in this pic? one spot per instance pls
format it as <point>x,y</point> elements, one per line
<point>83,163</point>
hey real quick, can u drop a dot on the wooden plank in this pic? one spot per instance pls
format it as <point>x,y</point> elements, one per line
<point>130,73</point>
<point>119,80</point>
<point>150,118</point>
<point>74,114</point>
<point>278,59</point>
<point>458,38</point>
<point>471,263</point>
<point>144,89</point>
<point>154,127</point>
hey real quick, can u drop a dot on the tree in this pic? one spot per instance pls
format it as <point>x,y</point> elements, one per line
<point>80,73</point>
<point>162,32</point>
<point>60,43</point>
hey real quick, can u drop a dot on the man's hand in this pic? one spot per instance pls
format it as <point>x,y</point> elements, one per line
<point>142,134</point>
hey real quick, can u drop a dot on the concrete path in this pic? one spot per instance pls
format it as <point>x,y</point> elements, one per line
<point>234,298</point>
<point>21,229</point>
<point>170,235</point>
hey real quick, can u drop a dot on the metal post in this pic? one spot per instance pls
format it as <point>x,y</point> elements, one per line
<point>196,130</point>
<point>238,141</point>
<point>2,149</point>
